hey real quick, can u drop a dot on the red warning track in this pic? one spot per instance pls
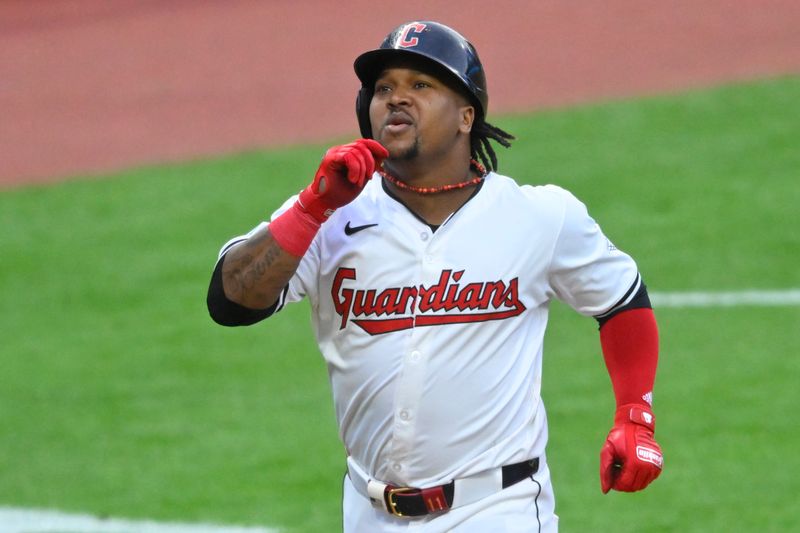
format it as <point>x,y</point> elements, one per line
<point>92,86</point>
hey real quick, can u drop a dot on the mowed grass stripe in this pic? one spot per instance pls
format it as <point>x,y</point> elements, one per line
<point>119,397</point>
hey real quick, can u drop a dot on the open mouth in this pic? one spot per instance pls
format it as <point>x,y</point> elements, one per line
<point>398,122</point>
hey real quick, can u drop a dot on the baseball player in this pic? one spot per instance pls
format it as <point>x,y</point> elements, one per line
<point>430,276</point>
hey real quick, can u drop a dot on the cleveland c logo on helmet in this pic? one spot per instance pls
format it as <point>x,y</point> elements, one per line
<point>404,41</point>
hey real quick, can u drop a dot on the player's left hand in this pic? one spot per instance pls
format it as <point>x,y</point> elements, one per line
<point>631,458</point>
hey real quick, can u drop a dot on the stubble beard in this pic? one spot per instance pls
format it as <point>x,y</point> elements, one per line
<point>410,153</point>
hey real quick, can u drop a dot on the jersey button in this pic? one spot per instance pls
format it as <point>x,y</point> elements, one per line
<point>404,415</point>
<point>397,467</point>
<point>429,258</point>
<point>423,236</point>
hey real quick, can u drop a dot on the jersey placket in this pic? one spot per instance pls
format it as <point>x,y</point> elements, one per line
<point>412,377</point>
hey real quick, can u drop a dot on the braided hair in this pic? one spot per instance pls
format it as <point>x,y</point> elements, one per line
<point>482,133</point>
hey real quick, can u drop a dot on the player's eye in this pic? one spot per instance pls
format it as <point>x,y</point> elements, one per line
<point>421,85</point>
<point>382,88</point>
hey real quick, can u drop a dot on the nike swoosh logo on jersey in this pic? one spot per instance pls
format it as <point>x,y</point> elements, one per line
<point>351,230</point>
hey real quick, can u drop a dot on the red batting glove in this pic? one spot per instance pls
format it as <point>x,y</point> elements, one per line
<point>630,459</point>
<point>341,176</point>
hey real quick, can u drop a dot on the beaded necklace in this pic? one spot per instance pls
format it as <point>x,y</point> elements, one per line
<point>442,188</point>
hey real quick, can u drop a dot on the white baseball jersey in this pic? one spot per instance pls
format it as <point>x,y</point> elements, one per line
<point>433,340</point>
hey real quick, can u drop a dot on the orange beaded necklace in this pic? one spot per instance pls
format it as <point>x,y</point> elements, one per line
<point>435,190</point>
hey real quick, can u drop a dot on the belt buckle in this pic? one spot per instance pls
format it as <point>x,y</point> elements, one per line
<point>390,492</point>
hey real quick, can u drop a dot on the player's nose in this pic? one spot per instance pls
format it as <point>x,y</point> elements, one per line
<point>400,96</point>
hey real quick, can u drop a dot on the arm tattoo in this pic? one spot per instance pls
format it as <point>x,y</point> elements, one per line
<point>258,273</point>
<point>255,273</point>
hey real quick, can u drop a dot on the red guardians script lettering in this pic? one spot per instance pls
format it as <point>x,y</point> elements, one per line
<point>391,309</point>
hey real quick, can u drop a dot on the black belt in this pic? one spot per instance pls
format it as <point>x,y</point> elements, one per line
<point>405,501</point>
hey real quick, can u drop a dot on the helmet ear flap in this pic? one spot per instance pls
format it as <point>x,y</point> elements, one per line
<point>363,101</point>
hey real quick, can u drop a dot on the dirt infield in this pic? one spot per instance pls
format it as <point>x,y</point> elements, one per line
<point>90,86</point>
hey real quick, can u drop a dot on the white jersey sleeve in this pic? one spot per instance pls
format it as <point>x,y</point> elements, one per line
<point>587,271</point>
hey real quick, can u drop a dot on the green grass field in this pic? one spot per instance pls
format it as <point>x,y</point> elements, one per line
<point>120,397</point>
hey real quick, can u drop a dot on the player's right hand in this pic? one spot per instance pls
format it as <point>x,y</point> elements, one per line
<point>341,176</point>
<point>631,458</point>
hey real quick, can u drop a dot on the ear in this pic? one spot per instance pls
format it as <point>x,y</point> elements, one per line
<point>467,119</point>
<point>363,100</point>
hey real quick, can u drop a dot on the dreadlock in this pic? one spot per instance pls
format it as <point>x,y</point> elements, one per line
<point>481,133</point>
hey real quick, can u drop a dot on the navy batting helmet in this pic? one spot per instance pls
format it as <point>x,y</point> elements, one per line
<point>435,42</point>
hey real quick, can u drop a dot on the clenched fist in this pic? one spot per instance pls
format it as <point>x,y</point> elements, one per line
<point>341,176</point>
<point>630,458</point>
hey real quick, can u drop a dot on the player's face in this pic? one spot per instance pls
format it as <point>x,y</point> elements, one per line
<point>415,114</point>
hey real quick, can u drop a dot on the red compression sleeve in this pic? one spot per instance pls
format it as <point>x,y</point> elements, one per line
<point>294,230</point>
<point>630,349</point>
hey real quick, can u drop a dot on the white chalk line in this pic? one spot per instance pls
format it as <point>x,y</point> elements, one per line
<point>726,299</point>
<point>16,520</point>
